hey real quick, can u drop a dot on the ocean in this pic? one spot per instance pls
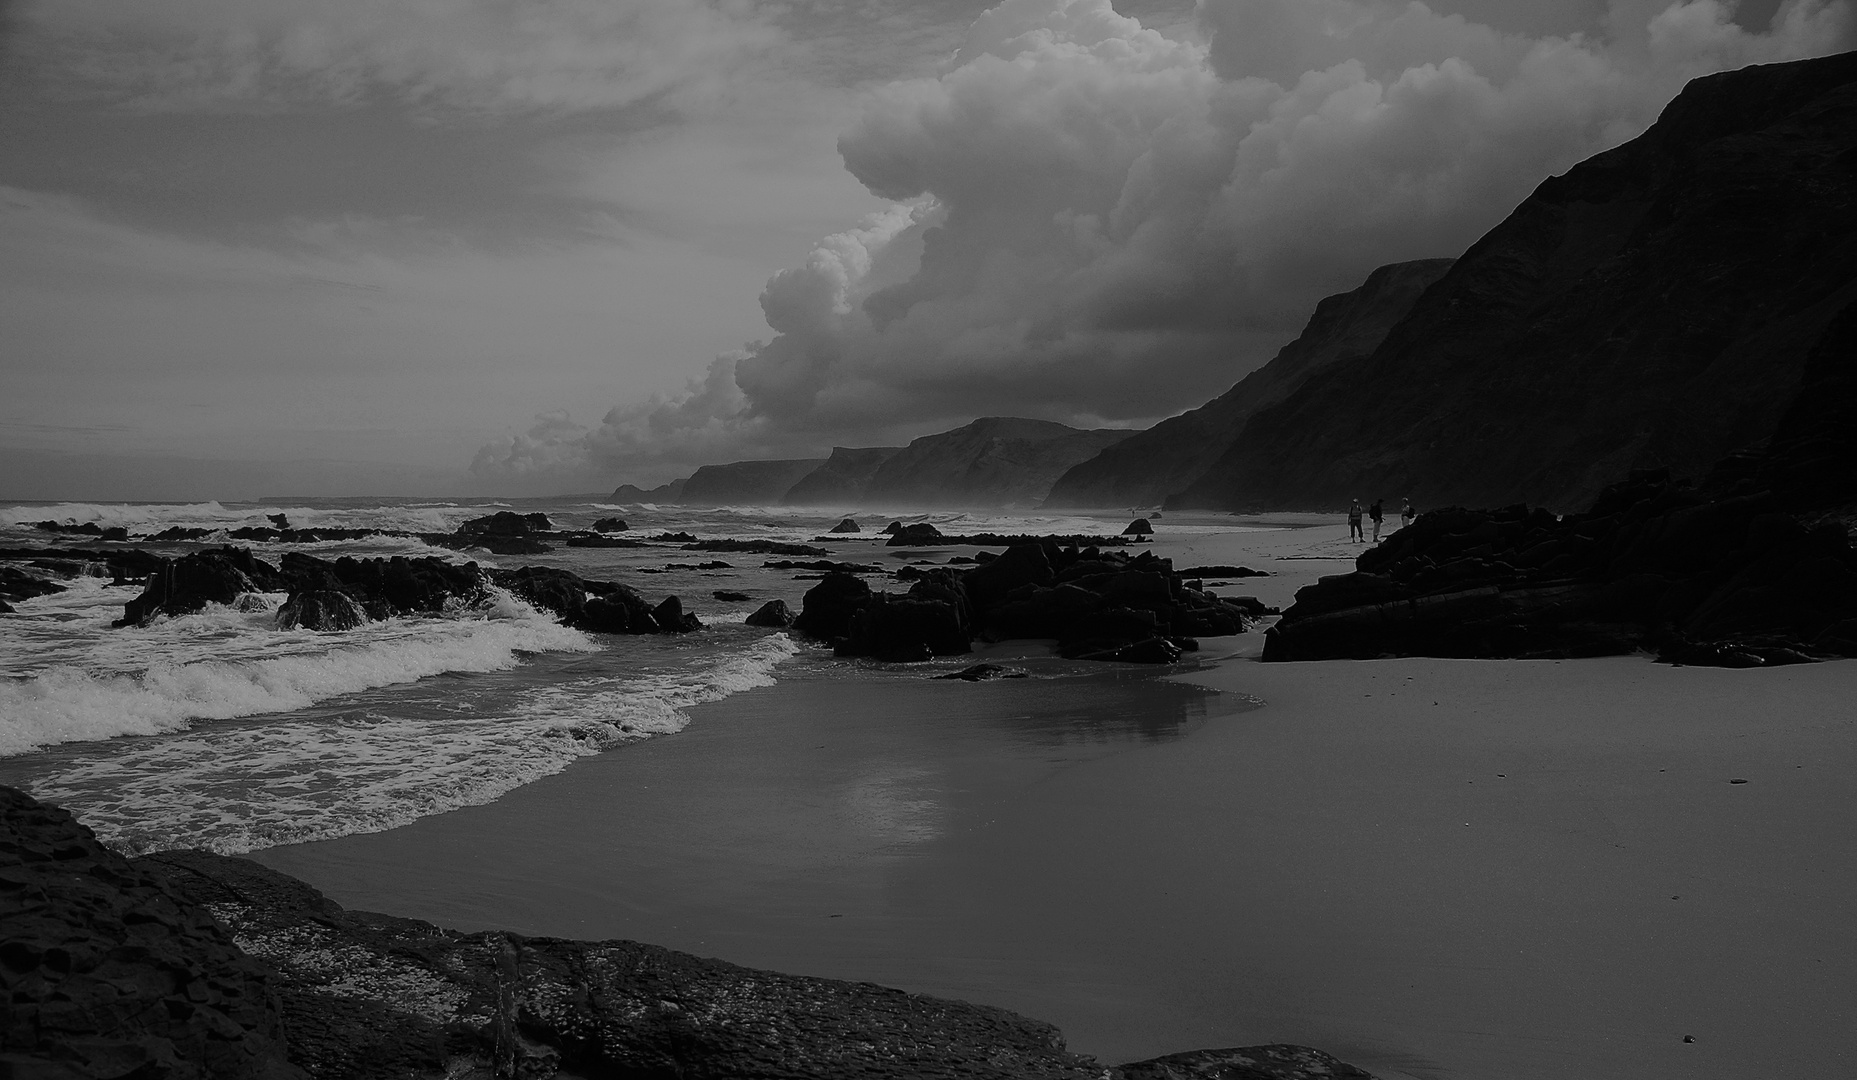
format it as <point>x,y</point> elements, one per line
<point>219,730</point>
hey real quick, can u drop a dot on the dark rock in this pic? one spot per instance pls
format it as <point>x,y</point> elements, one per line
<point>179,532</point>
<point>846,526</point>
<point>893,528</point>
<point>663,493</point>
<point>919,533</point>
<point>320,609</point>
<point>755,547</point>
<point>1275,1062</point>
<point>822,565</point>
<point>905,629</point>
<point>672,619</point>
<point>731,597</point>
<point>6,608</point>
<point>1222,571</point>
<point>188,584</point>
<point>108,973</point>
<point>507,523</point>
<point>282,521</point>
<point>559,591</point>
<point>16,584</point>
<point>597,540</point>
<point>1139,527</point>
<point>905,539</point>
<point>1153,650</point>
<point>615,609</point>
<point>827,608</point>
<point>610,524</point>
<point>774,613</point>
<point>982,672</point>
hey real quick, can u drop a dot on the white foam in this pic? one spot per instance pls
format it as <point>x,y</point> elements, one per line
<point>294,780</point>
<point>225,662</point>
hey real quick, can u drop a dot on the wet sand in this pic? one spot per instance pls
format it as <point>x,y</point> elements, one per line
<point>1436,869</point>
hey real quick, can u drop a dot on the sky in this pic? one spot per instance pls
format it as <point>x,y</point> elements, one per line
<point>346,247</point>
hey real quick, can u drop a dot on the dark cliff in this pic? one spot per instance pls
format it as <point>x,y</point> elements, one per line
<point>842,480</point>
<point>1665,304</point>
<point>1169,457</point>
<point>994,461</point>
<point>745,483</point>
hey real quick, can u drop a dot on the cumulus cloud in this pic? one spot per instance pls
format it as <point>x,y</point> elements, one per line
<point>479,55</point>
<point>1096,222</point>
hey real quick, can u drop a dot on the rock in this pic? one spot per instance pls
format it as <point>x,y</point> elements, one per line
<point>599,540</point>
<point>846,526</point>
<point>561,592</point>
<point>610,524</point>
<point>1222,571</point>
<point>506,523</point>
<point>1139,527</point>
<point>919,533</point>
<point>731,597</point>
<point>110,974</point>
<point>755,547</point>
<point>893,528</point>
<point>1153,650</point>
<point>827,608</point>
<point>773,614</point>
<point>18,585</point>
<point>1279,1061</point>
<point>905,629</point>
<point>663,493</point>
<point>672,619</point>
<point>188,584</point>
<point>615,609</point>
<point>320,609</point>
<point>982,672</point>
<point>282,521</point>
<point>6,608</point>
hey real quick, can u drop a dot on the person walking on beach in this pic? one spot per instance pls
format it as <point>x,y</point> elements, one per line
<point>1378,513</point>
<point>1407,514</point>
<point>1354,520</point>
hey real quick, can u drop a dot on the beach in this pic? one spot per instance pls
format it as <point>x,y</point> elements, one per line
<point>1431,868</point>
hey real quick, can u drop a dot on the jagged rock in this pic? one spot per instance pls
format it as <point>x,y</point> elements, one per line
<point>730,597</point>
<point>282,521</point>
<point>846,526</point>
<point>1222,571</point>
<point>1139,527</point>
<point>188,584</point>
<point>16,584</point>
<point>904,629</point>
<point>827,608</point>
<point>774,613</point>
<point>983,672</point>
<point>1701,577</point>
<point>109,974</point>
<point>320,609</point>
<point>893,528</point>
<point>672,619</point>
<point>507,523</point>
<point>1279,1061</point>
<point>615,609</point>
<point>610,524</point>
<point>754,547</point>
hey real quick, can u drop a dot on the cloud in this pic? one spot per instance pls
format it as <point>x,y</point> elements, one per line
<point>474,55</point>
<point>1096,222</point>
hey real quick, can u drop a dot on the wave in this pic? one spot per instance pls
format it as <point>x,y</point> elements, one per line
<point>314,778</point>
<point>225,663</point>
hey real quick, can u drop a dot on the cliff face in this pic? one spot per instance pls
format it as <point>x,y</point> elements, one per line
<point>1658,306</point>
<point>994,461</point>
<point>1170,456</point>
<point>841,481</point>
<point>745,483</point>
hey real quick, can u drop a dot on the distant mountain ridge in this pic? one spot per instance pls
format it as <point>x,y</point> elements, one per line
<point>1169,457</point>
<point>994,461</point>
<point>1661,305</point>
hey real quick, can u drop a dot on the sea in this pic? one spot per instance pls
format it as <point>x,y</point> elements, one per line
<point>219,730</point>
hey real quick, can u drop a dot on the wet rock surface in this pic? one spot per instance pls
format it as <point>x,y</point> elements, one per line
<point>1098,605</point>
<point>1727,579</point>
<point>188,964</point>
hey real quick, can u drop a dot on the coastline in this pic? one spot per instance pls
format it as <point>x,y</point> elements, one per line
<point>1343,867</point>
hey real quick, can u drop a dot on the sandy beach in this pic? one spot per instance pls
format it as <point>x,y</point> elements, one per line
<point>1434,869</point>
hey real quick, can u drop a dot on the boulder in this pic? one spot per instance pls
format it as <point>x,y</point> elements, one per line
<point>905,629</point>
<point>610,524</point>
<point>827,608</point>
<point>1139,527</point>
<point>673,619</point>
<point>615,609</point>
<point>846,526</point>
<point>559,591</point>
<point>729,597</point>
<point>320,609</point>
<point>188,584</point>
<point>506,523</point>
<point>893,528</point>
<point>773,614</point>
<point>16,584</point>
<point>919,533</point>
<point>282,521</point>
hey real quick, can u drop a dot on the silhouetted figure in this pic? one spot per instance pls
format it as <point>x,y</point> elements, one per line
<point>1407,513</point>
<point>1378,513</point>
<point>1354,520</point>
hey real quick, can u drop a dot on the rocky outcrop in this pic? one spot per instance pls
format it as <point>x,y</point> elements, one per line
<point>843,479</point>
<point>188,584</point>
<point>994,461</point>
<point>1658,306</point>
<point>773,614</point>
<point>1098,606</point>
<point>1654,565</point>
<point>507,523</point>
<point>846,526</point>
<point>610,525</point>
<point>745,483</point>
<point>663,493</point>
<point>108,974</point>
<point>1171,456</point>
<point>188,965</point>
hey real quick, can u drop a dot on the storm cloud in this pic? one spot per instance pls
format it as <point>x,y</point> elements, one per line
<point>1095,222</point>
